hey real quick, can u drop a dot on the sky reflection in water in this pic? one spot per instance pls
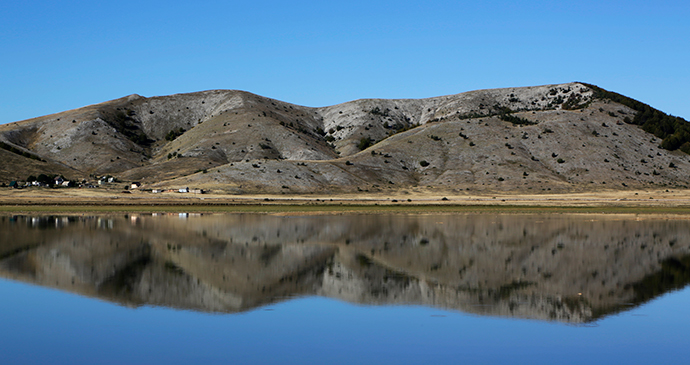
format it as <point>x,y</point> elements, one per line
<point>40,325</point>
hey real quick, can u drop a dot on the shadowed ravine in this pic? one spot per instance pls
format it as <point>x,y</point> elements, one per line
<point>568,268</point>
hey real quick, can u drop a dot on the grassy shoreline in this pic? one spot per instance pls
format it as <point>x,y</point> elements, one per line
<point>343,209</point>
<point>657,201</point>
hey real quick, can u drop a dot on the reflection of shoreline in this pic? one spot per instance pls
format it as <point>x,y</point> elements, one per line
<point>565,268</point>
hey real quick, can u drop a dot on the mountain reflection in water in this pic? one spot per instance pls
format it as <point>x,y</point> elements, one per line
<point>569,268</point>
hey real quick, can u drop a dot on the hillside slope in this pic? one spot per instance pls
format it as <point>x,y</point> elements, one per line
<point>567,137</point>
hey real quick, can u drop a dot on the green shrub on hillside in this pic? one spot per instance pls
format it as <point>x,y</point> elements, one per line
<point>378,111</point>
<point>364,143</point>
<point>19,152</point>
<point>515,120</point>
<point>174,133</point>
<point>674,131</point>
<point>504,113</point>
<point>574,102</point>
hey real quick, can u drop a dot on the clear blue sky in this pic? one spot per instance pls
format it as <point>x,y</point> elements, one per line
<point>60,55</point>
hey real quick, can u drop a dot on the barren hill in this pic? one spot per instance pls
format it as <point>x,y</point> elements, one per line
<point>567,137</point>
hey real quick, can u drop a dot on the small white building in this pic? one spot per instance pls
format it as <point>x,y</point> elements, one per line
<point>135,185</point>
<point>184,190</point>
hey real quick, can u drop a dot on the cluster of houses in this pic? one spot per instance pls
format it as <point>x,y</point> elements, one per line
<point>181,190</point>
<point>136,185</point>
<point>106,179</point>
<point>100,181</point>
<point>57,181</point>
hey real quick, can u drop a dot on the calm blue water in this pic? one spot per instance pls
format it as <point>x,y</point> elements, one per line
<point>152,264</point>
<point>39,325</point>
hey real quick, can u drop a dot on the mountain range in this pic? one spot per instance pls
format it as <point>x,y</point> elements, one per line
<point>557,138</point>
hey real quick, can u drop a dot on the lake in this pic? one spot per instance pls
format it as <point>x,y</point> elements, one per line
<point>344,288</point>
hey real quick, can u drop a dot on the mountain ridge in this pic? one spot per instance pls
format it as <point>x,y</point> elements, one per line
<point>562,137</point>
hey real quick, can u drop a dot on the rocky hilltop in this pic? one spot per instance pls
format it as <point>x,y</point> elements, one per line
<point>566,137</point>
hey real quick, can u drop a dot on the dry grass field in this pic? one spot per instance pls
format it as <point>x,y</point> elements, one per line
<point>61,200</point>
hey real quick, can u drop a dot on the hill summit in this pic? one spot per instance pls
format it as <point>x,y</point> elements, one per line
<point>557,138</point>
